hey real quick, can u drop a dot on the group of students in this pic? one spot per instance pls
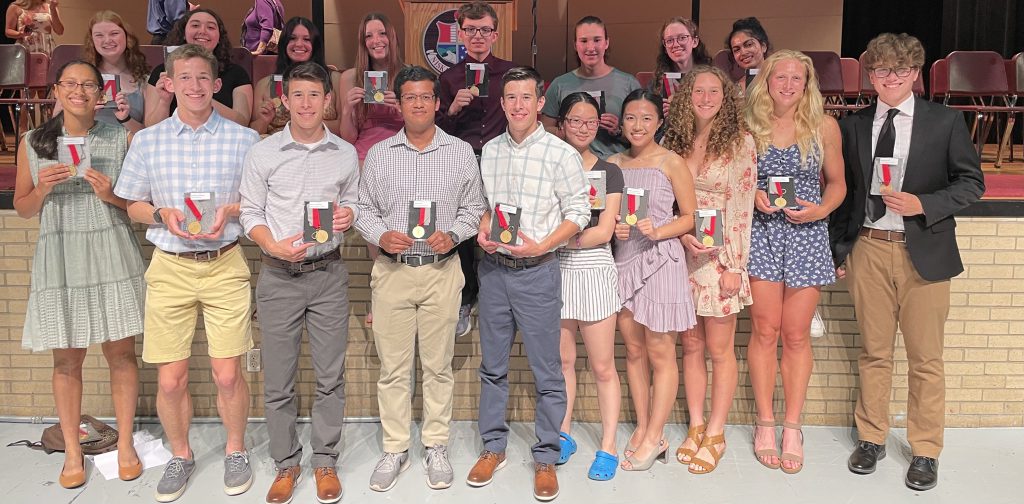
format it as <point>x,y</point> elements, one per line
<point>584,198</point>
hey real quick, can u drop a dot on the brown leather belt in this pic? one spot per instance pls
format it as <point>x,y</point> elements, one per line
<point>521,262</point>
<point>206,255</point>
<point>881,234</point>
<point>307,266</point>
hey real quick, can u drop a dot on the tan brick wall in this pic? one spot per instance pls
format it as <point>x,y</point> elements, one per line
<point>984,347</point>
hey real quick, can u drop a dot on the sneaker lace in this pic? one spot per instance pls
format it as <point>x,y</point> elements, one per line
<point>437,458</point>
<point>388,463</point>
<point>174,468</point>
<point>236,462</point>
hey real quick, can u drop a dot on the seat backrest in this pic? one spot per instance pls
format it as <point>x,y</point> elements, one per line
<point>262,66</point>
<point>13,65</point>
<point>154,54</point>
<point>851,77</point>
<point>61,55</point>
<point>723,61</point>
<point>645,78</point>
<point>243,58</point>
<point>38,71</point>
<point>976,73</point>
<point>1015,74</point>
<point>939,78</point>
<point>829,70</point>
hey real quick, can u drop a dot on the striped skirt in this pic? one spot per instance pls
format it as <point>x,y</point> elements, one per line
<point>589,284</point>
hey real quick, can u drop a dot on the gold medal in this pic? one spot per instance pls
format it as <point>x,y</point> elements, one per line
<point>506,236</point>
<point>276,102</point>
<point>473,90</point>
<point>378,96</point>
<point>708,241</point>
<point>73,170</point>
<point>194,227</point>
<point>597,203</point>
<point>418,232</point>
<point>780,202</point>
<point>320,236</point>
<point>631,219</point>
<point>885,188</point>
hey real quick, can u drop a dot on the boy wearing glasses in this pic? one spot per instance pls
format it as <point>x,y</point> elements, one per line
<point>473,115</point>
<point>420,195</point>
<point>910,166</point>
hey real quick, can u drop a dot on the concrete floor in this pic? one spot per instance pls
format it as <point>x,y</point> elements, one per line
<point>977,466</point>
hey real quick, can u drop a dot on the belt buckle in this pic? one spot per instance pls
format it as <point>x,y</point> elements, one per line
<point>205,256</point>
<point>414,260</point>
<point>889,234</point>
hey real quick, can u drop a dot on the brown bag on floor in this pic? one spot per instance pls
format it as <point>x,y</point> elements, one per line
<point>96,438</point>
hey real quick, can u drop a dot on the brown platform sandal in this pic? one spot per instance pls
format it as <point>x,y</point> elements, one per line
<point>708,444</point>
<point>696,433</point>
<point>766,452</point>
<point>791,456</point>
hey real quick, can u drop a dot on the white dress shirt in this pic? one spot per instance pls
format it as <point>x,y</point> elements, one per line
<point>903,122</point>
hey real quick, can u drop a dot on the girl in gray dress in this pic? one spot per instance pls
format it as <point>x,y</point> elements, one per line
<point>87,284</point>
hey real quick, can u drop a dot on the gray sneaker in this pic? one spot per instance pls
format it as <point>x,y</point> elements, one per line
<point>465,324</point>
<point>386,473</point>
<point>172,483</point>
<point>439,469</point>
<point>237,474</point>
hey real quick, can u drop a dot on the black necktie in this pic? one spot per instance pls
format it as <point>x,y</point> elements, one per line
<point>883,148</point>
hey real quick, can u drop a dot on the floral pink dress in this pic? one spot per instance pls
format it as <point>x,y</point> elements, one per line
<point>729,184</point>
<point>40,39</point>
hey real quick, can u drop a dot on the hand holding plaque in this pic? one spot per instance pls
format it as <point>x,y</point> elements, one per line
<point>634,206</point>
<point>782,192</point>
<point>598,189</point>
<point>709,226</point>
<point>318,223</point>
<point>375,83</point>
<point>505,224</point>
<point>477,80</point>
<point>422,215</point>
<point>200,212</point>
<point>888,176</point>
<point>111,88</point>
<point>670,83</point>
<point>277,90</point>
<point>74,152</point>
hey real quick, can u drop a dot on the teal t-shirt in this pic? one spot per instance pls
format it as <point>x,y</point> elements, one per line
<point>615,86</point>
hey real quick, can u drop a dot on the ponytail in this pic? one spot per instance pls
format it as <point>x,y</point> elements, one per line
<point>44,138</point>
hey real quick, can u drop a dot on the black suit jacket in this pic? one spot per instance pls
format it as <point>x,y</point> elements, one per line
<point>942,169</point>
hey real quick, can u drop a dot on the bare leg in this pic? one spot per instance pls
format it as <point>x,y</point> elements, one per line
<point>124,388</point>
<point>567,349</point>
<point>797,361</point>
<point>720,335</point>
<point>232,400</point>
<point>762,356</point>
<point>695,379</point>
<point>638,374</point>
<point>67,395</point>
<point>599,337</point>
<point>174,406</point>
<point>661,352</point>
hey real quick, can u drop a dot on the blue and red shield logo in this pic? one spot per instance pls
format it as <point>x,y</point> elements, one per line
<point>441,46</point>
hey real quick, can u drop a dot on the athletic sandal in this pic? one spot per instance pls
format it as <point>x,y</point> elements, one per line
<point>604,466</point>
<point>567,447</point>
<point>792,457</point>
<point>708,444</point>
<point>766,452</point>
<point>696,434</point>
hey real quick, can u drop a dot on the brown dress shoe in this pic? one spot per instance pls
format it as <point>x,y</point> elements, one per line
<point>545,482</point>
<point>284,484</point>
<point>129,473</point>
<point>482,472</point>
<point>328,487</point>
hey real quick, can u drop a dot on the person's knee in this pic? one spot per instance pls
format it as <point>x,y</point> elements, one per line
<point>796,339</point>
<point>67,365</point>
<point>692,343</point>
<point>121,358</point>
<point>173,383</point>
<point>227,378</point>
<point>604,370</point>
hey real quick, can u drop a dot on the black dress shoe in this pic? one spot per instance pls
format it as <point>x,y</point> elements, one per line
<point>923,473</point>
<point>865,456</point>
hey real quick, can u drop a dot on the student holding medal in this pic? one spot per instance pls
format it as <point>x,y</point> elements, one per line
<point>520,283</point>
<point>370,111</point>
<point>298,191</point>
<point>679,49</point>
<point>897,248</point>
<point>798,148</point>
<point>301,42</point>
<point>419,196</point>
<point>748,46</point>
<point>652,273</point>
<point>87,284</point>
<point>705,127</point>
<point>189,271</point>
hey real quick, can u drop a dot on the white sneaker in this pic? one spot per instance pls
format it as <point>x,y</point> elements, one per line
<point>817,325</point>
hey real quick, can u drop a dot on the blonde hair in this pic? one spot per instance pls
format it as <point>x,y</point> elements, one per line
<point>810,110</point>
<point>727,127</point>
<point>29,4</point>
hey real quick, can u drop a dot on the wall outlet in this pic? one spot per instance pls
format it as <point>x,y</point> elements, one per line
<point>253,362</point>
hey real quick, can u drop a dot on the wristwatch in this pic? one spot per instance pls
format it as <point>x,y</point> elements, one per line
<point>455,238</point>
<point>156,216</point>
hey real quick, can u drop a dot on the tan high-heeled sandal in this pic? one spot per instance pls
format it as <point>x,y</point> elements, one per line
<point>696,434</point>
<point>792,457</point>
<point>766,452</point>
<point>708,444</point>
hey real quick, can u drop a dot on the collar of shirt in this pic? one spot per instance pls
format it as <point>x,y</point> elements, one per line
<point>531,139</point>
<point>328,142</point>
<point>906,107</point>
<point>441,139</point>
<point>211,125</point>
<point>490,59</point>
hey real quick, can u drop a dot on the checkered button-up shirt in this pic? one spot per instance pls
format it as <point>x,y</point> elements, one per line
<point>542,175</point>
<point>395,173</point>
<point>171,158</point>
<point>281,175</point>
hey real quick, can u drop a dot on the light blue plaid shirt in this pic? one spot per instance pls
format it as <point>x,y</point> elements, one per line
<point>170,158</point>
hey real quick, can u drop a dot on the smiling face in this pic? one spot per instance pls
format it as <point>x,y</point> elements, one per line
<point>640,121</point>
<point>109,40</point>
<point>202,29</point>
<point>746,50</point>
<point>893,89</point>
<point>707,96</point>
<point>305,102</point>
<point>680,45</point>
<point>418,104</point>
<point>194,84</point>
<point>478,45</point>
<point>787,83</point>
<point>300,45</point>
<point>375,37</point>
<point>78,101</point>
<point>521,104</point>
<point>580,125</point>
<point>591,44</point>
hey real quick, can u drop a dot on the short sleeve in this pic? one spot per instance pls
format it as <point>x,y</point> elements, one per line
<point>613,178</point>
<point>551,100</point>
<point>154,76</point>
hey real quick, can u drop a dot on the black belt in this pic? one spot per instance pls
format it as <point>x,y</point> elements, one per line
<point>521,262</point>
<point>205,255</point>
<point>419,260</point>
<point>307,266</point>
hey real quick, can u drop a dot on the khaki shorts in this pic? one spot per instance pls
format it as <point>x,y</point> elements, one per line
<point>176,288</point>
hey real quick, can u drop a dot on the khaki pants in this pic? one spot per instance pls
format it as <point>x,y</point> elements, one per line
<point>415,308</point>
<point>887,291</point>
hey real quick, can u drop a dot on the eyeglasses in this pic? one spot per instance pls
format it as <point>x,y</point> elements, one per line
<point>417,98</point>
<point>578,123</point>
<point>680,40</point>
<point>69,85</point>
<point>472,31</point>
<point>901,72</point>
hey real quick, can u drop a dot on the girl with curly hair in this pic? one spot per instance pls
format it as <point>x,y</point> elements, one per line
<point>790,257</point>
<point>679,50</point>
<point>705,127</point>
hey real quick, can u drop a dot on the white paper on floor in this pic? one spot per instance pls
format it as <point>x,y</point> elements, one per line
<point>151,452</point>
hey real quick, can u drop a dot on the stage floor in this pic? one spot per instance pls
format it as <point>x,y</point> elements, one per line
<point>977,465</point>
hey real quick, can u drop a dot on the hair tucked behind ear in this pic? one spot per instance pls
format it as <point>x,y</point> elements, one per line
<point>44,138</point>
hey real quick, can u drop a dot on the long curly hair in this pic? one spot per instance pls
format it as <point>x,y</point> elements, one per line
<point>133,57</point>
<point>810,111</point>
<point>223,50</point>
<point>727,128</point>
<point>699,54</point>
<point>363,57</point>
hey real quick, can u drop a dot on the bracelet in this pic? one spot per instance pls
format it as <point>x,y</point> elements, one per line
<point>126,119</point>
